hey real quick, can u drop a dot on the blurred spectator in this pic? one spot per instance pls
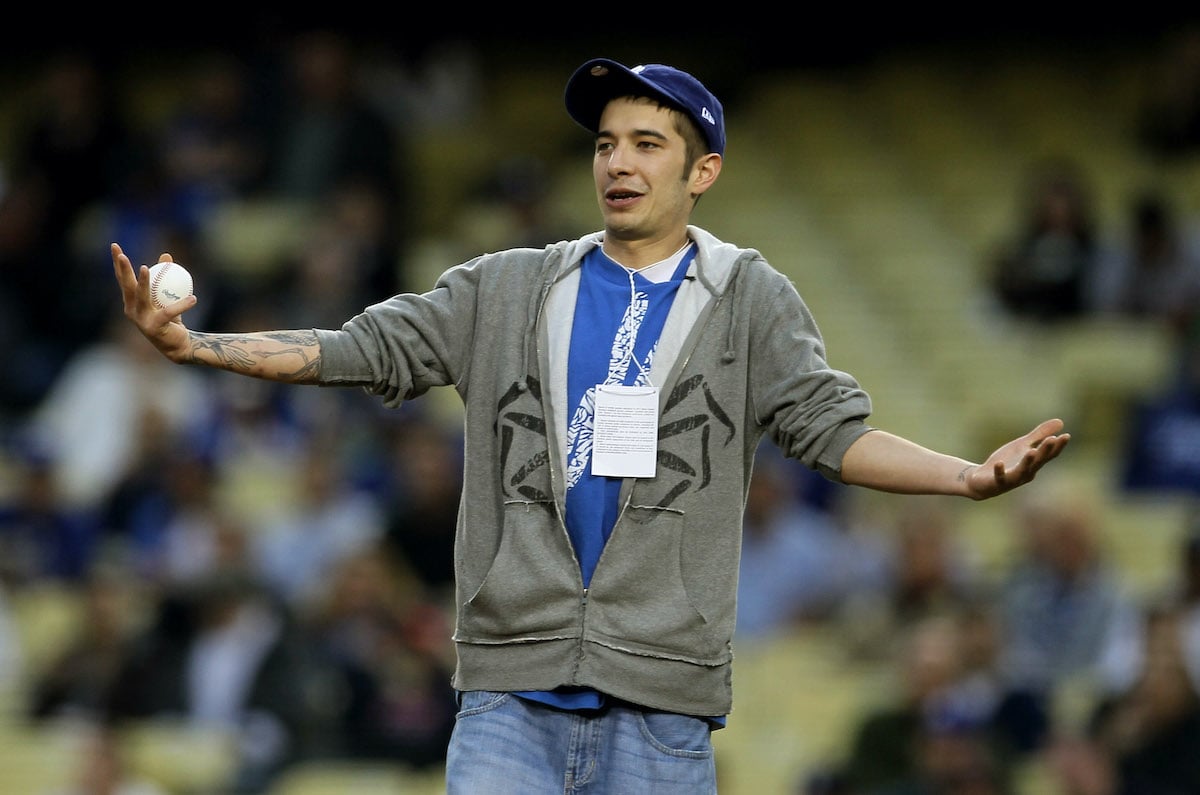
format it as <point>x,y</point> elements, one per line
<point>1168,121</point>
<point>798,564</point>
<point>328,138</point>
<point>925,570</point>
<point>327,131</point>
<point>12,651</point>
<point>1126,657</point>
<point>112,401</point>
<point>1159,451</point>
<point>257,448</point>
<point>1061,604</point>
<point>926,733</point>
<point>523,186</point>
<point>954,757</point>
<point>213,145</point>
<point>74,141</point>
<point>1077,766</point>
<point>76,683</point>
<point>70,153</point>
<point>1187,599</point>
<point>41,537</point>
<point>328,521</point>
<point>1044,272</point>
<point>350,259</point>
<point>932,569</point>
<point>148,212</point>
<point>391,657</point>
<point>223,655</point>
<point>1151,732</point>
<point>1155,275</point>
<point>513,205</point>
<point>422,508</point>
<point>175,528</point>
<point>206,151</point>
<point>1145,714</point>
<point>434,85</point>
<point>1016,719</point>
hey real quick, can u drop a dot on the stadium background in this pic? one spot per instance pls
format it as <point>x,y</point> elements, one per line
<point>874,160</point>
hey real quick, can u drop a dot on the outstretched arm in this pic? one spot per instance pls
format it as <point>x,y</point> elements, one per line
<point>886,462</point>
<point>288,356</point>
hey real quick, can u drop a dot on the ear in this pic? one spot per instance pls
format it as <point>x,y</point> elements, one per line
<point>705,173</point>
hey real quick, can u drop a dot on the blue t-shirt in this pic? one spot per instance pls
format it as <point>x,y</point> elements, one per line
<point>619,317</point>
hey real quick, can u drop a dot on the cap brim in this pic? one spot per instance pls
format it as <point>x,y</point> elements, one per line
<point>588,93</point>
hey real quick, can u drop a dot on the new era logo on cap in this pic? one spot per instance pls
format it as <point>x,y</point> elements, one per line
<point>600,80</point>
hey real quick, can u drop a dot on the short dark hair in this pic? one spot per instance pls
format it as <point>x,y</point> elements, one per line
<point>695,144</point>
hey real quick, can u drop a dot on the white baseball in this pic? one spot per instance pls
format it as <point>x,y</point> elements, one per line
<point>169,282</point>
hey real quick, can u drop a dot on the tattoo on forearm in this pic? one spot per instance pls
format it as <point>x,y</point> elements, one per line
<point>292,337</point>
<point>253,354</point>
<point>228,349</point>
<point>962,475</point>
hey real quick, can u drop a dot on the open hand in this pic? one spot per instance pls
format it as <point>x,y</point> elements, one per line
<point>1018,461</point>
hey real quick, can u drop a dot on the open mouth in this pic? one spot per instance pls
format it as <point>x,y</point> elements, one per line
<point>619,196</point>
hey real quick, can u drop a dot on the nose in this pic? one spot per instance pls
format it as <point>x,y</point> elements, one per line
<point>618,161</point>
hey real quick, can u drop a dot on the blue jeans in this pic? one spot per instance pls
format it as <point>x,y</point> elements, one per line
<point>505,745</point>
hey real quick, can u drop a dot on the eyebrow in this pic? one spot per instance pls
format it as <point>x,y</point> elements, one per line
<point>640,133</point>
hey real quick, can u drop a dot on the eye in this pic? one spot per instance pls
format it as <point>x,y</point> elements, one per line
<point>603,146</point>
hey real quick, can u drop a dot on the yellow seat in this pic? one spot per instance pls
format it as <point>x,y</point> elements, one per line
<point>39,759</point>
<point>334,777</point>
<point>46,617</point>
<point>179,756</point>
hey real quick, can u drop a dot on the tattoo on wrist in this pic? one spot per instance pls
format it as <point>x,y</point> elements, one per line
<point>962,475</point>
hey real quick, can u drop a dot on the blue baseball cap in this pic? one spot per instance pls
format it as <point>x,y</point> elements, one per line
<point>600,80</point>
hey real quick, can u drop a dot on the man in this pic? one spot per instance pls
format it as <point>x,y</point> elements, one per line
<point>615,390</point>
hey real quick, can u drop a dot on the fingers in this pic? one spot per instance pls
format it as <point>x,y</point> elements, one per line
<point>120,261</point>
<point>1050,447</point>
<point>1047,440</point>
<point>121,264</point>
<point>128,277</point>
<point>1039,454</point>
<point>1044,430</point>
<point>174,311</point>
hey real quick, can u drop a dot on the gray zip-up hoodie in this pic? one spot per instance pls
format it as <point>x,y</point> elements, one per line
<point>740,356</point>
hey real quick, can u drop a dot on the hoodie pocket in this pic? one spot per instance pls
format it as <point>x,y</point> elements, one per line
<point>641,596</point>
<point>532,590</point>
